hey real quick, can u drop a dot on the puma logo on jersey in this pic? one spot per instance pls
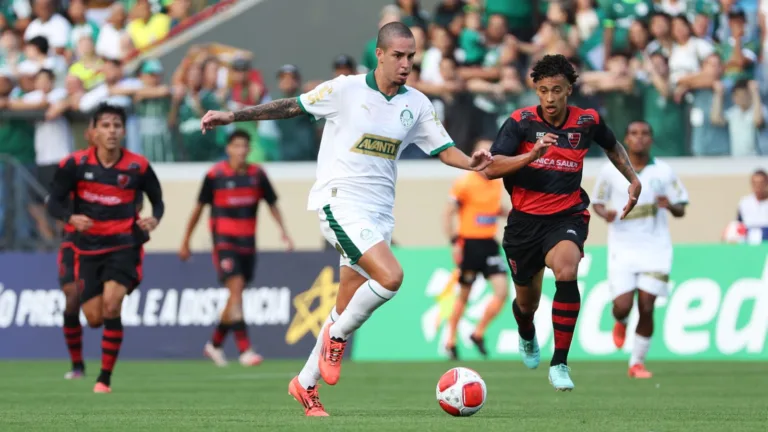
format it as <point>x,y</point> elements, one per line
<point>376,145</point>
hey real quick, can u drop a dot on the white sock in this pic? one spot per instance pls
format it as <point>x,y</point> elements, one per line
<point>310,373</point>
<point>639,350</point>
<point>368,297</point>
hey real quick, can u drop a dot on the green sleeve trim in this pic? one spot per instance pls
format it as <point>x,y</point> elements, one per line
<point>301,105</point>
<point>442,148</point>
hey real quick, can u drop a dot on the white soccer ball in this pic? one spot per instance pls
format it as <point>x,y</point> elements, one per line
<point>461,392</point>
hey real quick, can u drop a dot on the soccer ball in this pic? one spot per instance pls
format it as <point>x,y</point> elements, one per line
<point>461,392</point>
<point>735,232</point>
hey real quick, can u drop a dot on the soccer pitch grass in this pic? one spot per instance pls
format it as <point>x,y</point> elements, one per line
<point>196,396</point>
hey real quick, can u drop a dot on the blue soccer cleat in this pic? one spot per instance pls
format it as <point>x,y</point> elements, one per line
<point>560,378</point>
<point>529,350</point>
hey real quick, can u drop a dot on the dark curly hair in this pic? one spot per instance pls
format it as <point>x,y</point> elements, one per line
<point>552,66</point>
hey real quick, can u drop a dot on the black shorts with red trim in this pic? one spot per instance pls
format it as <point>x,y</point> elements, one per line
<point>66,264</point>
<point>123,266</point>
<point>528,239</point>
<point>480,256</point>
<point>230,263</point>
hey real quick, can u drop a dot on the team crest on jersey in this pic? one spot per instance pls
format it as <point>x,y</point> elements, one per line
<point>406,118</point>
<point>574,138</point>
<point>123,180</point>
<point>586,120</point>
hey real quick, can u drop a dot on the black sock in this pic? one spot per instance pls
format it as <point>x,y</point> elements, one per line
<point>565,311</point>
<point>111,340</point>
<point>241,336</point>
<point>525,326</point>
<point>73,335</point>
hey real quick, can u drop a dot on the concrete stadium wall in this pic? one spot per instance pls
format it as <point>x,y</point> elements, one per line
<point>715,186</point>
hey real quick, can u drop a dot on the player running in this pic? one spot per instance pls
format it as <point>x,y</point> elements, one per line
<point>539,152</point>
<point>104,181</point>
<point>234,188</point>
<point>477,201</point>
<point>639,246</point>
<point>370,119</point>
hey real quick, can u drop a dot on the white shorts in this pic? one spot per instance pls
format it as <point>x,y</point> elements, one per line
<point>624,281</point>
<point>353,231</point>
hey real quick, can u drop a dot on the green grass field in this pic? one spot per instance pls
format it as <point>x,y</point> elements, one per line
<point>196,396</point>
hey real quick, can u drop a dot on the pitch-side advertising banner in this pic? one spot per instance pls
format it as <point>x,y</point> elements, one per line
<point>175,309</point>
<point>717,309</point>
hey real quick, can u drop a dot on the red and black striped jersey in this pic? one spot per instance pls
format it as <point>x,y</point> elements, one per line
<point>109,196</point>
<point>234,198</point>
<point>550,185</point>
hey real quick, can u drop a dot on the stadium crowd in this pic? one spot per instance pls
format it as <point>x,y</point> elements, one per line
<point>694,69</point>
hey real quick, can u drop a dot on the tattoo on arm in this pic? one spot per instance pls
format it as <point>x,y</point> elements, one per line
<point>620,160</point>
<point>275,110</point>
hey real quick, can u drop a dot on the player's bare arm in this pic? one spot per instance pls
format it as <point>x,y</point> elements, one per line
<point>457,159</point>
<point>194,218</point>
<point>277,215</point>
<point>676,210</point>
<point>275,110</point>
<point>605,213</point>
<point>619,158</point>
<point>503,166</point>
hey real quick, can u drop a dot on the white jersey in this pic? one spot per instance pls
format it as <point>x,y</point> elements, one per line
<point>640,242</point>
<point>365,133</point>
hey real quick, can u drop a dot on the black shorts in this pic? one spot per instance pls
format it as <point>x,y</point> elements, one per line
<point>527,239</point>
<point>230,263</point>
<point>480,256</point>
<point>123,266</point>
<point>66,262</point>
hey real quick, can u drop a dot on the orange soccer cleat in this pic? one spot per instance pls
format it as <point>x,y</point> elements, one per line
<point>619,334</point>
<point>309,399</point>
<point>101,388</point>
<point>331,354</point>
<point>639,371</point>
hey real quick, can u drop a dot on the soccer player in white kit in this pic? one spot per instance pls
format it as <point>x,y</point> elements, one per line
<point>639,246</point>
<point>370,119</point>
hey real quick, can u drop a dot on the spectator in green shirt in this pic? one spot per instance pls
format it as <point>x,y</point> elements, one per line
<point>666,117</point>
<point>618,16</point>
<point>17,143</point>
<point>298,141</point>
<point>739,54</point>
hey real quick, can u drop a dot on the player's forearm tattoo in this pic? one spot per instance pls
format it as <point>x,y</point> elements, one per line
<point>275,110</point>
<point>620,160</point>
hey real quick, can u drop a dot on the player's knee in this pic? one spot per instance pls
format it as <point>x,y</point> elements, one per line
<point>566,271</point>
<point>392,279</point>
<point>527,307</point>
<point>645,309</point>
<point>94,320</point>
<point>112,308</point>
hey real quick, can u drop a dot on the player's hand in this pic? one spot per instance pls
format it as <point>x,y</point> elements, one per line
<point>458,253</point>
<point>480,159</point>
<point>184,252</point>
<point>211,119</point>
<point>543,144</point>
<point>80,222</point>
<point>662,202</point>
<point>634,192</point>
<point>610,215</point>
<point>288,242</point>
<point>147,224</point>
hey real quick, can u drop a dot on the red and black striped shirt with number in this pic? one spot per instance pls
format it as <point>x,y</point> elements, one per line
<point>234,198</point>
<point>109,196</point>
<point>550,185</point>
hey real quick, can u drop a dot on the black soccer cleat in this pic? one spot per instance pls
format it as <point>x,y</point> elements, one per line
<point>453,353</point>
<point>480,344</point>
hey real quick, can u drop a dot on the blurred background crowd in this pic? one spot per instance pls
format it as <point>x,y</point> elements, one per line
<point>696,70</point>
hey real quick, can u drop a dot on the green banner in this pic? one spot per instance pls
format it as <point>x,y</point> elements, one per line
<point>717,308</point>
